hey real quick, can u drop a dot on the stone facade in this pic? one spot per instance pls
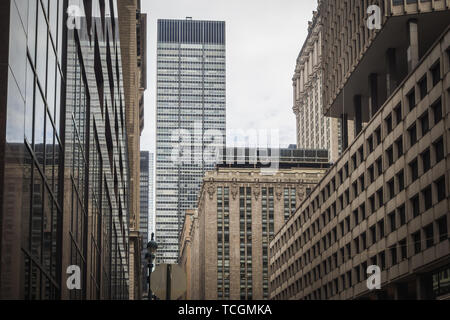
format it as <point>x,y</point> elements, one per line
<point>386,201</point>
<point>133,48</point>
<point>218,240</point>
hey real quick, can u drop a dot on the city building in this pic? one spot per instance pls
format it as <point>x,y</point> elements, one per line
<point>240,209</point>
<point>386,200</point>
<point>64,177</point>
<point>314,130</point>
<point>151,188</point>
<point>144,214</point>
<point>190,113</point>
<point>133,42</point>
<point>187,255</point>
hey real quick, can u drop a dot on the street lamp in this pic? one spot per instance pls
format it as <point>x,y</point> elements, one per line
<point>152,246</point>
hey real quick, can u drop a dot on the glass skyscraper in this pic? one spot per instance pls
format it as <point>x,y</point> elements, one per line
<point>191,102</point>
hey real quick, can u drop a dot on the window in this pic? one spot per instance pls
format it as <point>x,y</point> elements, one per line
<point>439,150</point>
<point>429,235</point>
<point>411,97</point>
<point>393,251</point>
<point>412,131</point>
<point>402,215</point>
<point>416,238</point>
<point>380,198</point>
<point>380,166</point>
<point>381,228</point>
<point>391,189</point>
<point>403,249</point>
<point>371,174</point>
<point>415,206</point>
<point>398,113</point>
<point>390,156</point>
<point>442,226</point>
<point>378,135</point>
<point>414,168</point>
<point>372,203</point>
<point>436,73</point>
<point>440,188</point>
<point>426,161</point>
<point>370,144</point>
<point>373,234</point>
<point>427,197</point>
<point>388,122</point>
<point>364,241</point>
<point>401,181</point>
<point>399,146</point>
<point>424,122</point>
<point>423,87</point>
<point>392,221</point>
<point>437,111</point>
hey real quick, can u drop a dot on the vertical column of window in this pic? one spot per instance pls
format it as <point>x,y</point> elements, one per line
<point>287,206</point>
<point>220,241</point>
<point>248,230</point>
<point>265,242</point>
<point>243,293</point>
<point>226,232</point>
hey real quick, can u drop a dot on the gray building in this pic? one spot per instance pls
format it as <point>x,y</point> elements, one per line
<point>144,212</point>
<point>190,103</point>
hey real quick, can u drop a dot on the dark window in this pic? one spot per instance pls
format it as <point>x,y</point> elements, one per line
<point>378,135</point>
<point>429,235</point>
<point>439,150</point>
<point>403,249</point>
<point>415,206</point>
<point>392,221</point>
<point>364,241</point>
<point>427,197</point>
<point>423,87</point>
<point>370,144</point>
<point>371,174</point>
<point>381,228</point>
<point>372,203</point>
<point>399,145</point>
<point>412,135</point>
<point>398,113</point>
<point>436,73</point>
<point>380,166</point>
<point>401,180</point>
<point>437,111</point>
<point>394,255</point>
<point>440,188</point>
<point>380,198</point>
<point>411,99</point>
<point>402,215</point>
<point>443,230</point>
<point>373,233</point>
<point>414,170</point>
<point>391,189</point>
<point>416,238</point>
<point>383,260</point>
<point>426,160</point>
<point>390,156</point>
<point>388,122</point>
<point>425,123</point>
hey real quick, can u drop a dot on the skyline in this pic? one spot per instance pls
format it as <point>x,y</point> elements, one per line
<point>266,104</point>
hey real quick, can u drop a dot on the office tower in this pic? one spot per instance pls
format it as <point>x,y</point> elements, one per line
<point>133,43</point>
<point>239,212</point>
<point>314,129</point>
<point>144,213</point>
<point>386,200</point>
<point>64,175</point>
<point>190,103</point>
<point>30,149</point>
<point>151,196</point>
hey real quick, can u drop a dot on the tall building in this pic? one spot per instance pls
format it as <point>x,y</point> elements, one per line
<point>133,34</point>
<point>314,129</point>
<point>386,200</point>
<point>240,210</point>
<point>190,109</point>
<point>64,177</point>
<point>144,213</point>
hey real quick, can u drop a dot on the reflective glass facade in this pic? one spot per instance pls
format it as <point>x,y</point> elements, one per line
<point>190,100</point>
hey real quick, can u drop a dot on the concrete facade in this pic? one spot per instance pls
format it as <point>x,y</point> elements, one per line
<point>386,201</point>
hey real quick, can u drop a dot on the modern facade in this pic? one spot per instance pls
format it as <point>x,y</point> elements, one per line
<point>133,25</point>
<point>190,113</point>
<point>314,130</point>
<point>386,200</point>
<point>64,173</point>
<point>240,210</point>
<point>144,214</point>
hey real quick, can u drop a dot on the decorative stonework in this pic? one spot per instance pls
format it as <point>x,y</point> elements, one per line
<point>257,189</point>
<point>234,189</point>
<point>211,191</point>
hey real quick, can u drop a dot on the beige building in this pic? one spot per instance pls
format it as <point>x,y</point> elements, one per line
<point>133,26</point>
<point>187,254</point>
<point>314,130</point>
<point>239,212</point>
<point>386,200</point>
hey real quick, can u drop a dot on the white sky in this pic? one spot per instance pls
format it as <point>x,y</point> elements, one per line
<point>264,38</point>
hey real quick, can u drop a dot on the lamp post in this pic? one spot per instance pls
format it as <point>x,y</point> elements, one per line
<point>152,246</point>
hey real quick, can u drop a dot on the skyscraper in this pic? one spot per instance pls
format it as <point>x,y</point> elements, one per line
<point>190,103</point>
<point>144,212</point>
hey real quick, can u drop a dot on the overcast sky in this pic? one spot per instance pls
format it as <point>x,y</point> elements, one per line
<point>264,38</point>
